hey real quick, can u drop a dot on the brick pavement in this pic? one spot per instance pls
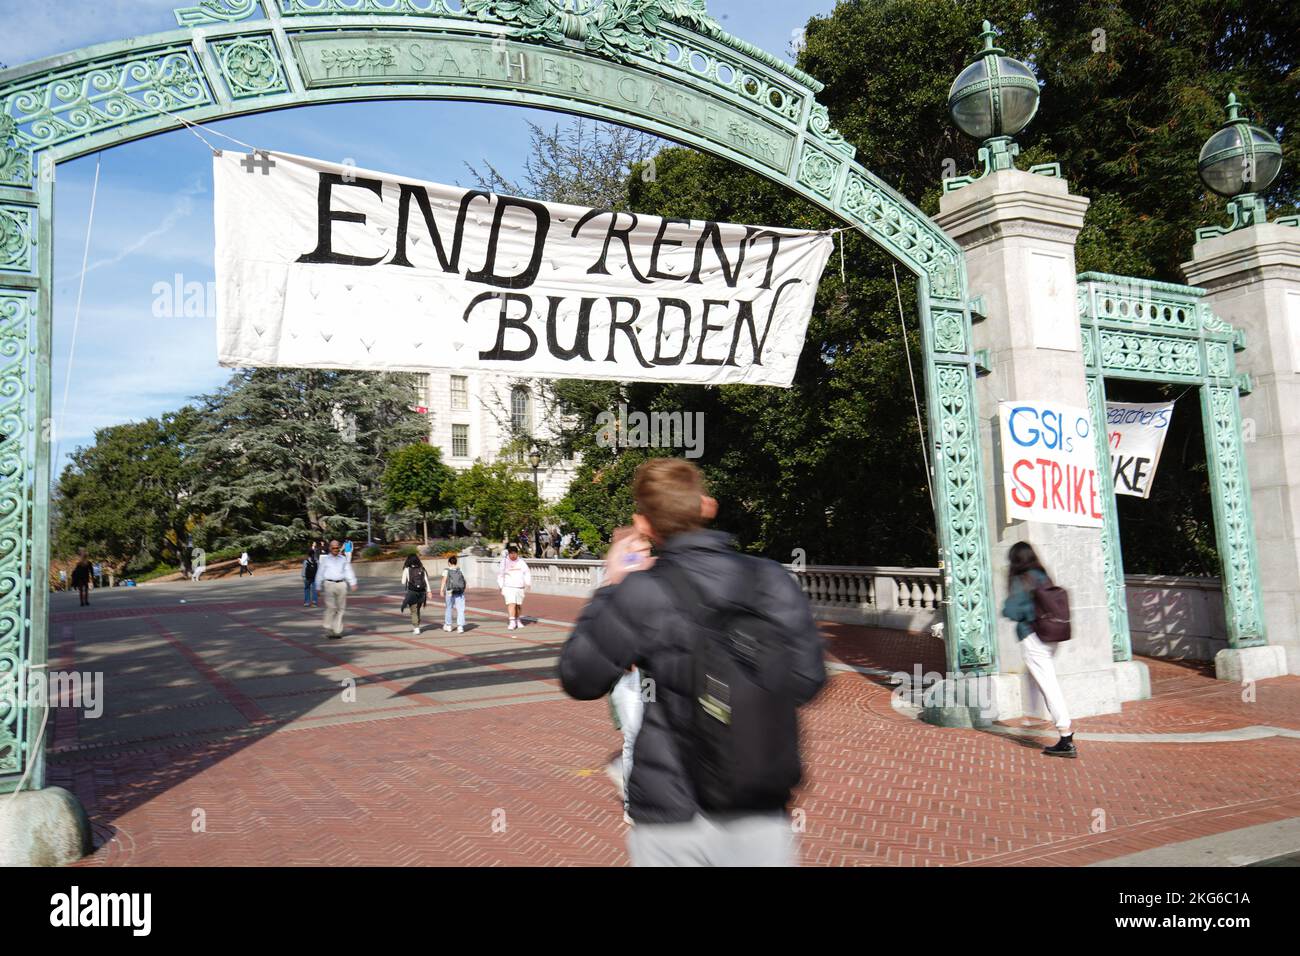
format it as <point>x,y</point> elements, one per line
<point>231,710</point>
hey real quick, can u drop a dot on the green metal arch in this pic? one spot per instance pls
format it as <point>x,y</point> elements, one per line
<point>663,66</point>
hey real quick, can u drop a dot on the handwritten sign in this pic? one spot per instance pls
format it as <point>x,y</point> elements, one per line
<point>1136,436</point>
<point>1049,463</point>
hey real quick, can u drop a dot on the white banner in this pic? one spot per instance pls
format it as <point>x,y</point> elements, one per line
<point>327,266</point>
<point>1136,435</point>
<point>1049,463</point>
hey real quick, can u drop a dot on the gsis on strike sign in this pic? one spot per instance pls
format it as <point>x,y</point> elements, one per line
<point>1049,463</point>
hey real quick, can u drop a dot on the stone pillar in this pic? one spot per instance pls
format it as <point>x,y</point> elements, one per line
<point>1018,231</point>
<point>1252,278</point>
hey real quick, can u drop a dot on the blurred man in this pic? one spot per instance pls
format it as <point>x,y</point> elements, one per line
<point>727,650</point>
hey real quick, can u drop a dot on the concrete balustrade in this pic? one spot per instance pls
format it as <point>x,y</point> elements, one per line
<point>1179,618</point>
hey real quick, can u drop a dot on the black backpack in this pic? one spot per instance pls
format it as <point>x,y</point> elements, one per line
<point>415,579</point>
<point>1051,613</point>
<point>455,580</point>
<point>309,571</point>
<point>742,738</point>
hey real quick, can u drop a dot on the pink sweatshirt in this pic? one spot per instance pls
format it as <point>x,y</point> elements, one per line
<point>514,574</point>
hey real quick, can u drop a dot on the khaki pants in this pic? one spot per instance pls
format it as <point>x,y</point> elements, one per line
<point>336,602</point>
<point>752,839</point>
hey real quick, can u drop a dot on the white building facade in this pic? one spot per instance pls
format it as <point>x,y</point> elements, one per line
<point>474,416</point>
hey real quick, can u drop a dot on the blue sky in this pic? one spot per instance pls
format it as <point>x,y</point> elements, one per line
<point>153,212</point>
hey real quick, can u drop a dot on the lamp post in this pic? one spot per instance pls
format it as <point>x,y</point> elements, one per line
<point>992,100</point>
<point>535,458</point>
<point>1240,161</point>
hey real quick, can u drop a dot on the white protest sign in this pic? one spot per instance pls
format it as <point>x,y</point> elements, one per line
<point>326,266</point>
<point>1049,463</point>
<point>1136,436</point>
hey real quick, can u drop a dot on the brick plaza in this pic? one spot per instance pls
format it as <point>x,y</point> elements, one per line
<point>234,733</point>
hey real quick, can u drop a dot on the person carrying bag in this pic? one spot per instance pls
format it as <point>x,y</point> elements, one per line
<point>1041,611</point>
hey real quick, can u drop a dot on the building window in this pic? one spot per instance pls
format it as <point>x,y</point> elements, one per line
<point>421,385</point>
<point>459,441</point>
<point>459,391</point>
<point>521,419</point>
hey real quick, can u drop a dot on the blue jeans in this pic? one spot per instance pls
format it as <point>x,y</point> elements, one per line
<point>456,601</point>
<point>309,593</point>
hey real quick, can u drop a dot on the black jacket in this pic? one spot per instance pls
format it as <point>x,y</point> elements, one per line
<point>639,622</point>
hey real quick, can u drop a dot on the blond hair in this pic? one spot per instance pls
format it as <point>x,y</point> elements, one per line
<point>667,492</point>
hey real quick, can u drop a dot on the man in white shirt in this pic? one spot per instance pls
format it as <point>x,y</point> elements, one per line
<point>334,575</point>
<point>514,579</point>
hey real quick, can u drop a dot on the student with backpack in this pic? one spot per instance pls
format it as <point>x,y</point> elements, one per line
<point>730,651</point>
<point>310,596</point>
<point>1041,611</point>
<point>453,593</point>
<point>416,580</point>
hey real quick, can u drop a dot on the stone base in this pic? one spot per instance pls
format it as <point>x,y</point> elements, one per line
<point>42,828</point>
<point>971,701</point>
<point>1132,680</point>
<point>1241,664</point>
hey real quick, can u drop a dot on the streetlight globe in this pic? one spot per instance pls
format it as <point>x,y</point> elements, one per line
<point>994,96</point>
<point>1240,158</point>
<point>535,458</point>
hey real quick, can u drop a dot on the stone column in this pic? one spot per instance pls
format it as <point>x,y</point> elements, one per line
<point>1252,278</point>
<point>1018,231</point>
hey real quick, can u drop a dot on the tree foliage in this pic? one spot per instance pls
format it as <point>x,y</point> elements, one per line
<point>1131,90</point>
<point>501,502</point>
<point>126,497</point>
<point>284,454</point>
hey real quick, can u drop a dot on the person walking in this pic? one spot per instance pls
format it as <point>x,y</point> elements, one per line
<point>1025,573</point>
<point>514,579</point>
<point>347,549</point>
<point>415,578</point>
<point>243,565</point>
<point>711,781</point>
<point>81,575</point>
<point>453,591</point>
<point>310,565</point>
<point>334,575</point>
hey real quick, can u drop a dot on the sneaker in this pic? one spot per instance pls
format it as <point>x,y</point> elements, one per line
<point>447,627</point>
<point>415,630</point>
<point>1062,748</point>
<point>459,630</point>
<point>304,603</point>
<point>513,625</point>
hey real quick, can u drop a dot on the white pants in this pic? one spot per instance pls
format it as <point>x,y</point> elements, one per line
<point>1039,660</point>
<point>630,707</point>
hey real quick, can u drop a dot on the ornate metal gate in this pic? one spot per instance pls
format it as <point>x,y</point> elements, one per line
<point>664,66</point>
<point>1160,332</point>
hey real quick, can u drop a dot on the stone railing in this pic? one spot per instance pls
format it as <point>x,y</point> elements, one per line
<point>906,598</point>
<point>1176,617</point>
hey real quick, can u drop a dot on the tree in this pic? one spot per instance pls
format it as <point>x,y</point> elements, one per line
<point>416,479</point>
<point>285,454</point>
<point>835,464</point>
<point>126,498</point>
<point>501,502</point>
<point>583,164</point>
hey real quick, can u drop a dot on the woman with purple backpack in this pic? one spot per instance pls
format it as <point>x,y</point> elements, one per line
<point>1025,575</point>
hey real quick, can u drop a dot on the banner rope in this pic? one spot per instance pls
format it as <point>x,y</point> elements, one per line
<point>911,374</point>
<point>195,127</point>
